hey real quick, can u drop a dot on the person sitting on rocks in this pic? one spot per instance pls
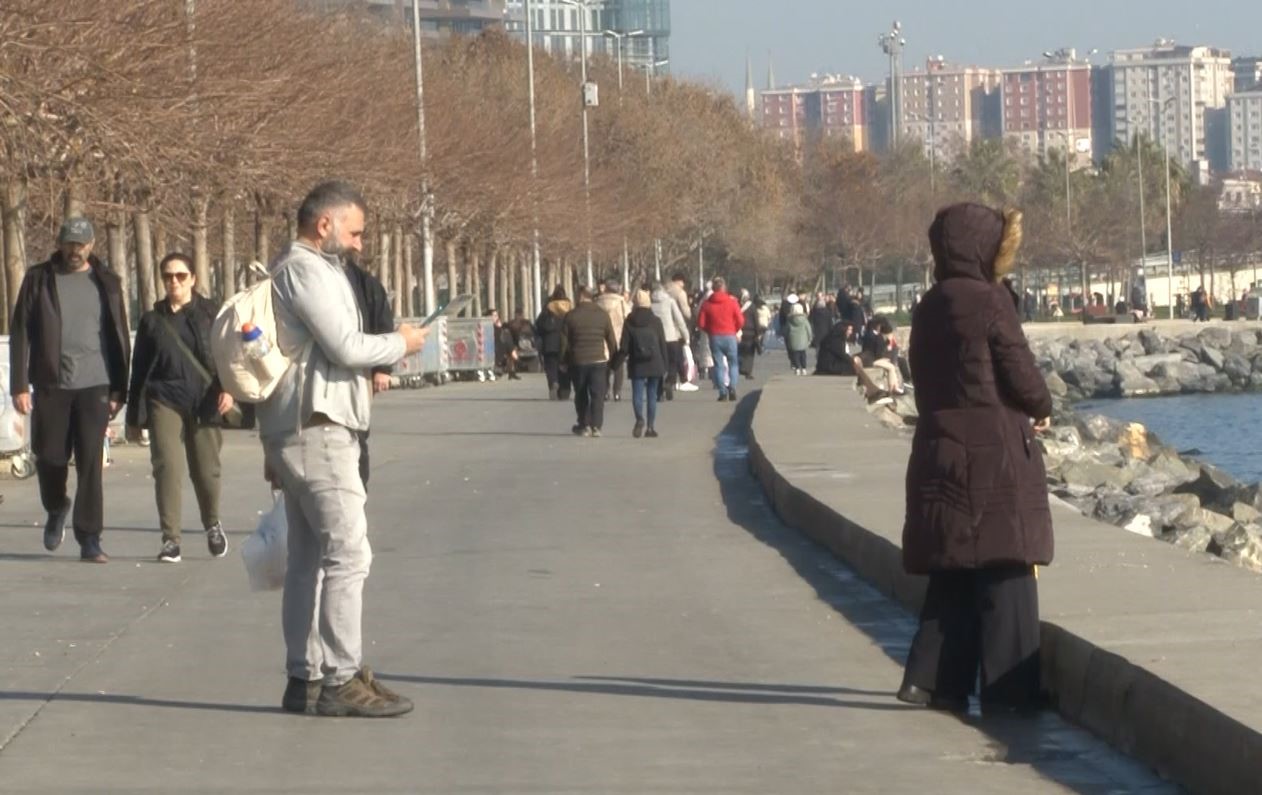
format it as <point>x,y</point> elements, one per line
<point>876,353</point>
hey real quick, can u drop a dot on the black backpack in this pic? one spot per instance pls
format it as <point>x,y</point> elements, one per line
<point>643,343</point>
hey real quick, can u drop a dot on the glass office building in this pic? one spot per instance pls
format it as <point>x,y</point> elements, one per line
<point>558,25</point>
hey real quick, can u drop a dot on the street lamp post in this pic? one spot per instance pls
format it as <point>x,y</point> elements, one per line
<point>626,251</point>
<point>1165,142</point>
<point>537,296</point>
<point>892,44</point>
<point>427,198</point>
<point>649,72</point>
<point>584,7</point>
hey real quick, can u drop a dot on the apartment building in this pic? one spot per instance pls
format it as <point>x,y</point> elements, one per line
<point>1245,113</point>
<point>1048,106</point>
<point>830,106</point>
<point>558,27</point>
<point>946,107</point>
<point>1170,93</point>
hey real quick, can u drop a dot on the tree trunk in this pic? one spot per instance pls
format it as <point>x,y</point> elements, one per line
<point>4,288</point>
<point>159,252</point>
<point>262,239</point>
<point>510,279</point>
<point>400,281</point>
<point>73,204</point>
<point>526,289</point>
<point>231,281</point>
<point>13,211</point>
<point>501,267</point>
<point>142,238</point>
<point>201,247</point>
<point>553,281</point>
<point>409,266</point>
<point>384,264</point>
<point>567,269</point>
<point>291,227</point>
<point>475,278</point>
<point>493,279</point>
<point>116,241</point>
<point>452,282</point>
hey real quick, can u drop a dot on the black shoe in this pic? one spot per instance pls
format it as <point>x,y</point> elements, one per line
<point>301,696</point>
<point>90,551</point>
<point>731,395</point>
<point>910,694</point>
<point>216,541</point>
<point>722,397</point>
<point>55,528</point>
<point>170,552</point>
<point>638,430</point>
<point>650,434</point>
<point>579,430</point>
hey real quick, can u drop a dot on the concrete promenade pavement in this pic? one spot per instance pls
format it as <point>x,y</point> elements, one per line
<point>1147,644</point>
<point>569,615</point>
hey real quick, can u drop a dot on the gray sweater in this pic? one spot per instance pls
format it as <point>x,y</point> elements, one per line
<point>319,328</point>
<point>674,324</point>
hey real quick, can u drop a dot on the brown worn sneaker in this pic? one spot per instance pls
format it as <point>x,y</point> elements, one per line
<point>301,696</point>
<point>361,697</point>
<point>377,686</point>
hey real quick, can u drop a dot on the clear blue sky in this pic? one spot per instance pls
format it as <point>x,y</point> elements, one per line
<point>710,38</point>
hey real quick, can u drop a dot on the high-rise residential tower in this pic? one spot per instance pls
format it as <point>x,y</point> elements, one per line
<point>558,28</point>
<point>946,107</point>
<point>1048,106</point>
<point>1170,93</point>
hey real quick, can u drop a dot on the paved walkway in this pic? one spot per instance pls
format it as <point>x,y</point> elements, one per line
<point>570,616</point>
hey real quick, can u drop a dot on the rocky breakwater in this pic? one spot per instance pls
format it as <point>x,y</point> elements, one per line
<point>1121,473</point>
<point>1145,363</point>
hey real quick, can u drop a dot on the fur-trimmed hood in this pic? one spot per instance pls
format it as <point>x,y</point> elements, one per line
<point>560,307</point>
<point>975,242</point>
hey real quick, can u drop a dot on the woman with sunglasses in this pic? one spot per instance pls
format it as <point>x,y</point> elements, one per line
<point>176,396</point>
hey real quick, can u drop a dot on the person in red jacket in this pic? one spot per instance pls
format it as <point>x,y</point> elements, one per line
<point>721,319</point>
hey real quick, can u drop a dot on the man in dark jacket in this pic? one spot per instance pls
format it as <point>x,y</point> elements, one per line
<point>587,338</point>
<point>977,520</point>
<point>377,317</point>
<point>822,318</point>
<point>70,344</point>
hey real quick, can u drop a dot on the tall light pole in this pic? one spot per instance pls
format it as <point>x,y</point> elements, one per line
<point>1165,142</point>
<point>626,251</point>
<point>649,73</point>
<point>584,7</point>
<point>427,198</point>
<point>892,44</point>
<point>537,298</point>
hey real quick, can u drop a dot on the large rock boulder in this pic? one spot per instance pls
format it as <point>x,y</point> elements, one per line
<point>1213,487</point>
<point>1131,382</point>
<point>1148,364</point>
<point>1152,341</point>
<point>1239,544</point>
<point>1237,368</point>
<point>1215,336</point>
<point>1212,356</point>
<point>1056,385</point>
<point>1093,475</point>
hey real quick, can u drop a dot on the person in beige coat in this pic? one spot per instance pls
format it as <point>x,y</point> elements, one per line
<point>615,305</point>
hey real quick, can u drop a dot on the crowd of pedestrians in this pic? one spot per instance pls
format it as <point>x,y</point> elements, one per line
<point>73,368</point>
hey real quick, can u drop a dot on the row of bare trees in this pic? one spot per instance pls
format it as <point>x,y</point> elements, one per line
<point>201,132</point>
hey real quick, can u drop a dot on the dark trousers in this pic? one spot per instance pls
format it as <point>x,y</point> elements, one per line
<point>589,393</point>
<point>65,421</point>
<point>556,376</point>
<point>674,365</point>
<point>617,376</point>
<point>797,360</point>
<point>987,618</point>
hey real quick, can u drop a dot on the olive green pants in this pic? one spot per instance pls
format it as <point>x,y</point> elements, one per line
<point>179,444</point>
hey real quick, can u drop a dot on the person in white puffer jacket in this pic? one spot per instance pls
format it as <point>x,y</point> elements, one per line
<point>676,327</point>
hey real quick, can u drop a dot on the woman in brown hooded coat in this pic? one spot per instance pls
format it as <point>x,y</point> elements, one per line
<point>977,517</point>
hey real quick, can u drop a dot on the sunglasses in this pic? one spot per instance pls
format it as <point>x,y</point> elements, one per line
<point>179,276</point>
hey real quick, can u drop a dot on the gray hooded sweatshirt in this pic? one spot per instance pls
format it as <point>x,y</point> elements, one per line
<point>667,310</point>
<point>319,328</point>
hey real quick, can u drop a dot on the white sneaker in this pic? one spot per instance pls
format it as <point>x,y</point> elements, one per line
<point>688,388</point>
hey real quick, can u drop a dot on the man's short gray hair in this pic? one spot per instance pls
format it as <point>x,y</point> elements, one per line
<point>332,195</point>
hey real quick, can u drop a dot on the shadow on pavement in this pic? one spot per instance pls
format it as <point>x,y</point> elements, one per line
<point>138,701</point>
<point>702,691</point>
<point>1045,742</point>
<point>737,685</point>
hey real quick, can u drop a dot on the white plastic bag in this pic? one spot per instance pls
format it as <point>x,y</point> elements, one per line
<point>266,551</point>
<point>690,365</point>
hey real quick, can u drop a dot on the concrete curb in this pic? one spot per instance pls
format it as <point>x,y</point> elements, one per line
<point>1185,739</point>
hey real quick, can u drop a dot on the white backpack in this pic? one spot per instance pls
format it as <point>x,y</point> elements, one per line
<point>247,380</point>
